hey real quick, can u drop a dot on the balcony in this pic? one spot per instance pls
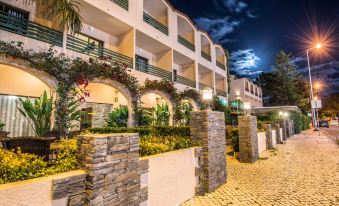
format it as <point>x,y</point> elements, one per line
<point>155,23</point>
<point>203,86</point>
<point>149,69</point>
<point>221,93</point>
<point>206,56</point>
<point>183,80</point>
<point>186,43</point>
<point>30,29</point>
<point>84,47</point>
<point>221,65</point>
<point>122,3</point>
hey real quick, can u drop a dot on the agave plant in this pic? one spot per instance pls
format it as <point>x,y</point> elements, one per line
<point>161,115</point>
<point>119,117</point>
<point>65,12</point>
<point>38,112</point>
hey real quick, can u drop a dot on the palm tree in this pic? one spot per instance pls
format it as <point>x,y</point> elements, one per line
<point>65,12</point>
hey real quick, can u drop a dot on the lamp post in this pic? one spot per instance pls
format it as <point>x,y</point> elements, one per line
<point>207,96</point>
<point>318,46</point>
<point>247,108</point>
<point>284,115</point>
<point>238,100</point>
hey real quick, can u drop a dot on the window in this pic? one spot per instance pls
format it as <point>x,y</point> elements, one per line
<point>141,63</point>
<point>13,19</point>
<point>92,45</point>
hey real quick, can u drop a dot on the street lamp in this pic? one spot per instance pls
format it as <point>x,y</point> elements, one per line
<point>247,108</point>
<point>207,96</point>
<point>317,46</point>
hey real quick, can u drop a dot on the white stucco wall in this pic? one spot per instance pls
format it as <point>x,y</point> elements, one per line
<point>33,192</point>
<point>171,178</point>
<point>281,134</point>
<point>261,142</point>
<point>274,138</point>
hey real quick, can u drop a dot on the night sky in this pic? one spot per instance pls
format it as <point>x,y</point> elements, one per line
<point>255,30</point>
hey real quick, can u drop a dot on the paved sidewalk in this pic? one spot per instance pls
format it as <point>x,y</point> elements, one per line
<point>304,171</point>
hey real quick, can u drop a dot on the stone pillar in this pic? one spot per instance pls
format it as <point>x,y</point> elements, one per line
<point>277,133</point>
<point>111,165</point>
<point>248,139</point>
<point>208,128</point>
<point>268,134</point>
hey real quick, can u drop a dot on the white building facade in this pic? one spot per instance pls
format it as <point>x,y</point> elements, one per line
<point>243,90</point>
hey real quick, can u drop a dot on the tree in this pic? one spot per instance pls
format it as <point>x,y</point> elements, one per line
<point>330,106</point>
<point>284,86</point>
<point>64,12</point>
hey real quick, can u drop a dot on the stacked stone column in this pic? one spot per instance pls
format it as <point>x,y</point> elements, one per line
<point>248,139</point>
<point>208,128</point>
<point>284,129</point>
<point>268,134</point>
<point>277,133</point>
<point>111,165</point>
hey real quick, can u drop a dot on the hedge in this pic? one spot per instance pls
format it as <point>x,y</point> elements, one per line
<point>232,134</point>
<point>162,131</point>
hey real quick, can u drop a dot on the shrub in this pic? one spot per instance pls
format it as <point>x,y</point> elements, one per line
<point>2,125</point>
<point>17,166</point>
<point>151,145</point>
<point>232,134</point>
<point>119,117</point>
<point>298,122</point>
<point>306,122</point>
<point>145,131</point>
<point>144,117</point>
<point>161,115</point>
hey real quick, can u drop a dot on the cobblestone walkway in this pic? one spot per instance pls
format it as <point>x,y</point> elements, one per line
<point>304,171</point>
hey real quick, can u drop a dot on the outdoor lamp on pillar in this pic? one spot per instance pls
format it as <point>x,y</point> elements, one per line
<point>247,108</point>
<point>207,96</point>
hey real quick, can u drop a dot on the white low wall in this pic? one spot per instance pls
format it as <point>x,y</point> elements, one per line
<point>171,178</point>
<point>274,138</point>
<point>33,192</point>
<point>261,142</point>
<point>281,135</point>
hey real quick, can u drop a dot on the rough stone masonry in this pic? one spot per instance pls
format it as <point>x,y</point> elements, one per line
<point>111,165</point>
<point>248,139</point>
<point>208,128</point>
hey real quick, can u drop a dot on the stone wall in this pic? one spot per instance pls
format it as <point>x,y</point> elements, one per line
<point>64,189</point>
<point>277,133</point>
<point>208,128</point>
<point>248,139</point>
<point>284,129</point>
<point>111,164</point>
<point>100,112</point>
<point>143,173</point>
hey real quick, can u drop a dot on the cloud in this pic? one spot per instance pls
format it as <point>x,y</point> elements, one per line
<point>251,15</point>
<point>218,27</point>
<point>244,62</point>
<point>297,60</point>
<point>235,5</point>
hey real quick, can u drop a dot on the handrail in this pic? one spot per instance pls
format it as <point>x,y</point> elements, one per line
<point>185,81</point>
<point>155,23</point>
<point>30,29</point>
<point>202,86</point>
<point>122,3</point>
<point>149,69</point>
<point>221,65</point>
<point>186,43</point>
<point>82,46</point>
<point>221,93</point>
<point>206,56</point>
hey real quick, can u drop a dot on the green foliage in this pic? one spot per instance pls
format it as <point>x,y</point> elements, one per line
<point>2,125</point>
<point>219,105</point>
<point>182,113</point>
<point>65,13</point>
<point>269,117</point>
<point>330,106</point>
<point>38,113</point>
<point>144,117</point>
<point>232,134</point>
<point>298,121</point>
<point>161,115</point>
<point>151,145</point>
<point>306,122</point>
<point>119,117</point>
<point>145,131</point>
<point>284,85</point>
<point>17,166</point>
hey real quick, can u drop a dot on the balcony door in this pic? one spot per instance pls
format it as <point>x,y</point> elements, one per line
<point>141,63</point>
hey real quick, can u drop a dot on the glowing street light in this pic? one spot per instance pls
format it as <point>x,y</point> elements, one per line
<point>317,46</point>
<point>207,96</point>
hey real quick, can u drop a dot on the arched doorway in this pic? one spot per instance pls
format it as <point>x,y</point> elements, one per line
<point>105,97</point>
<point>159,105</point>
<point>20,82</point>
